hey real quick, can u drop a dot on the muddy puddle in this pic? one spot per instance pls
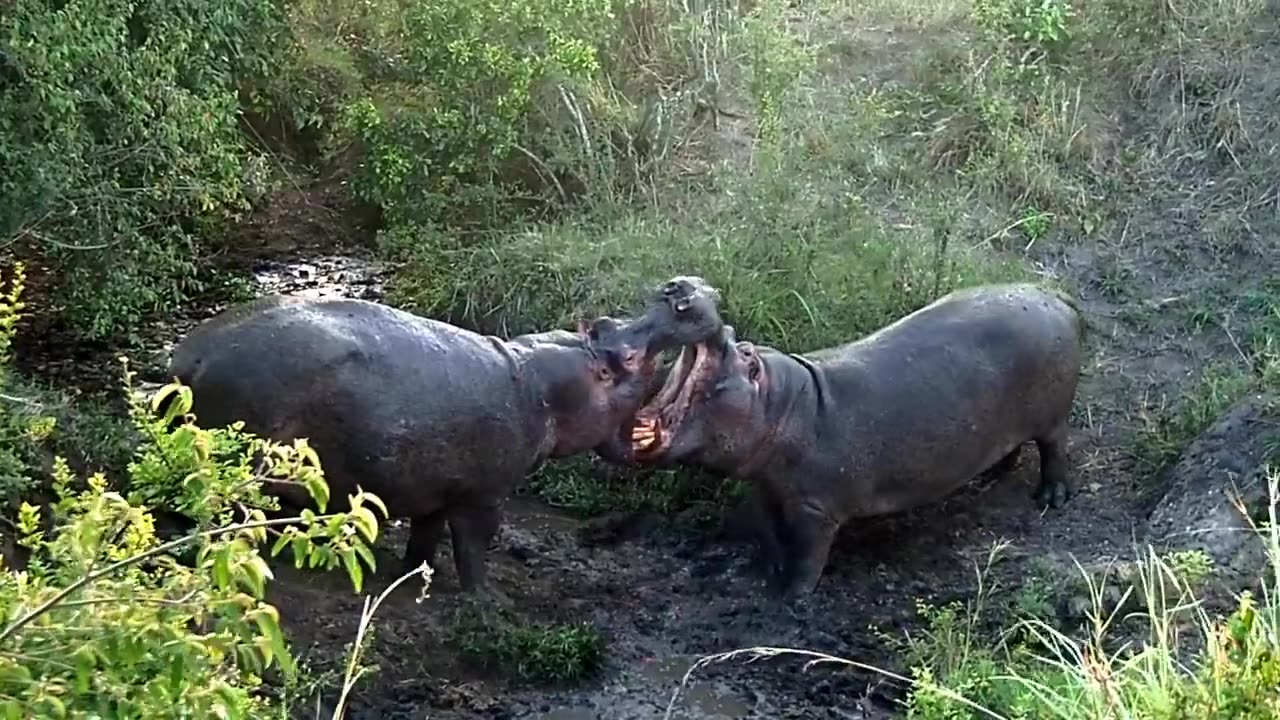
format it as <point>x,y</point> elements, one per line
<point>661,597</point>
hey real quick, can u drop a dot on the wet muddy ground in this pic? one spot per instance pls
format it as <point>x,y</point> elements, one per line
<point>665,591</point>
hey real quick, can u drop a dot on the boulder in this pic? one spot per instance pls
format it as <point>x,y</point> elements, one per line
<point>1228,460</point>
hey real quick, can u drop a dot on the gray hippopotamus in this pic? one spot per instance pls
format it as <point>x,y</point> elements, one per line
<point>438,421</point>
<point>897,419</point>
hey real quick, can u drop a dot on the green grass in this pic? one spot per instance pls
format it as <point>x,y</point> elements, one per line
<point>1168,430</point>
<point>534,652</point>
<point>587,486</point>
<point>802,258</point>
<point>1172,658</point>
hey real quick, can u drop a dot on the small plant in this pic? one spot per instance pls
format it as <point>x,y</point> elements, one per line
<point>1192,566</point>
<point>1035,225</point>
<point>579,486</point>
<point>548,653</point>
<point>1175,425</point>
<point>1037,23</point>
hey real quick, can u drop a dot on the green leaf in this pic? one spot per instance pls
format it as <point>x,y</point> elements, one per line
<point>84,661</point>
<point>222,568</point>
<point>280,544</point>
<point>365,522</point>
<point>367,555</point>
<point>318,488</point>
<point>54,707</point>
<point>375,500</point>
<point>268,620</point>
<point>255,571</point>
<point>301,550</point>
<point>352,563</point>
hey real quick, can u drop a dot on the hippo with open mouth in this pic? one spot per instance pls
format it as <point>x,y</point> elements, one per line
<point>438,421</point>
<point>897,419</point>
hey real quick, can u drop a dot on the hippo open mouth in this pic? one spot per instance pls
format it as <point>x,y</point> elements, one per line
<point>656,423</point>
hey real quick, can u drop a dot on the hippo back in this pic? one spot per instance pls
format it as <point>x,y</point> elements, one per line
<point>976,373</point>
<point>404,406</point>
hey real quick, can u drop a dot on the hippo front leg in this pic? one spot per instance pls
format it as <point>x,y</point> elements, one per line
<point>807,540</point>
<point>1055,487</point>
<point>766,529</point>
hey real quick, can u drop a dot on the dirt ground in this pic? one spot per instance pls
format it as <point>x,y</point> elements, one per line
<point>666,590</point>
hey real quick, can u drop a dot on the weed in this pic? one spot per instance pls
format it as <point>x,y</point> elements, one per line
<point>530,651</point>
<point>1175,424</point>
<point>1193,566</point>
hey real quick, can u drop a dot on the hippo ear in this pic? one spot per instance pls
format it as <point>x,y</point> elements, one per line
<point>747,353</point>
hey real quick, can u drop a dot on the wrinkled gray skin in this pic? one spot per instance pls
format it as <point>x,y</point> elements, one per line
<point>900,418</point>
<point>438,421</point>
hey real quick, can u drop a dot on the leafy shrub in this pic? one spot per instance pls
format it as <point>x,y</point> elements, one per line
<point>455,104</point>
<point>119,141</point>
<point>105,620</point>
<point>22,425</point>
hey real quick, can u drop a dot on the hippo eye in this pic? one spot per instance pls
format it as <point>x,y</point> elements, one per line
<point>682,304</point>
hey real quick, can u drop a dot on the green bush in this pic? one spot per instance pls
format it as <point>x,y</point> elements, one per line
<point>23,425</point>
<point>104,620</point>
<point>455,104</point>
<point>1188,665</point>
<point>119,142</point>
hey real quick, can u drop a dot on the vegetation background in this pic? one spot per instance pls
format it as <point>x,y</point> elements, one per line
<point>830,165</point>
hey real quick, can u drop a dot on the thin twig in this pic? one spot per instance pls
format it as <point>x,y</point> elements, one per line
<point>564,197</point>
<point>366,619</point>
<point>760,653</point>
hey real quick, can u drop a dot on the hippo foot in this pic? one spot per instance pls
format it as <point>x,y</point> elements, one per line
<point>1052,495</point>
<point>796,607</point>
<point>761,566</point>
<point>492,597</point>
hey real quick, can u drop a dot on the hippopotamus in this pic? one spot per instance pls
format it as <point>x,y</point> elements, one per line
<point>897,419</point>
<point>438,421</point>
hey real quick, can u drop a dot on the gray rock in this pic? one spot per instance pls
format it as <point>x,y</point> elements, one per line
<point>1226,461</point>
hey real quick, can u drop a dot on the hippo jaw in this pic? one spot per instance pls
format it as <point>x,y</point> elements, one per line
<point>657,423</point>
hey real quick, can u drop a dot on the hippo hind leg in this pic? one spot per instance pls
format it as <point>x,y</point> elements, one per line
<point>1007,463</point>
<point>1055,488</point>
<point>473,527</point>
<point>425,534</point>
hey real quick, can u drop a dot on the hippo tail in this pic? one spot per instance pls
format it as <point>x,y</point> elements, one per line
<point>1071,301</point>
